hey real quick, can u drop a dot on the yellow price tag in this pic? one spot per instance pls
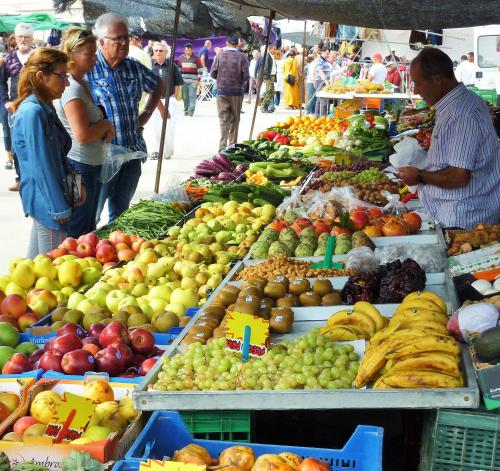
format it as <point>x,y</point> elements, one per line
<point>157,465</point>
<point>236,325</point>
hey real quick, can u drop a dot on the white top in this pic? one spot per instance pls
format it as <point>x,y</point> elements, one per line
<point>310,71</point>
<point>379,73</point>
<point>278,86</point>
<point>251,68</point>
<point>466,73</point>
<point>23,58</point>
<point>336,72</point>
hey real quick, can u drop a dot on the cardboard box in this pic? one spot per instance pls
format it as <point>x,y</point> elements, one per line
<point>50,455</point>
<point>488,377</point>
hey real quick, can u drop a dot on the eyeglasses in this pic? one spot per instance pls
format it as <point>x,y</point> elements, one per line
<point>159,50</point>
<point>61,75</point>
<point>119,39</point>
<point>21,36</point>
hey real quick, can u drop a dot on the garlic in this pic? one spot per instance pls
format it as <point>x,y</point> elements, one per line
<point>481,285</point>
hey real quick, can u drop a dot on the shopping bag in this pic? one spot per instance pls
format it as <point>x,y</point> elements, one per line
<point>408,154</point>
<point>114,157</point>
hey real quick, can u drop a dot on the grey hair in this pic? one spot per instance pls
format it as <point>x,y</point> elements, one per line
<point>105,20</point>
<point>25,28</point>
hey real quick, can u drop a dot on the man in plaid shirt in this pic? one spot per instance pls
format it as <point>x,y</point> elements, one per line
<point>117,83</point>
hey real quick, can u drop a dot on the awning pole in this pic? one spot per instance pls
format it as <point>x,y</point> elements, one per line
<point>170,79</point>
<point>302,85</point>
<point>261,72</point>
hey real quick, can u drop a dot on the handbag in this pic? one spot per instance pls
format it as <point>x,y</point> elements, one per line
<point>290,79</point>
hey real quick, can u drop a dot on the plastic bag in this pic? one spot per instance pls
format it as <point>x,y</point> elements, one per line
<point>362,260</point>
<point>394,206</point>
<point>173,191</point>
<point>321,208</point>
<point>408,154</point>
<point>291,203</point>
<point>428,256</point>
<point>114,157</point>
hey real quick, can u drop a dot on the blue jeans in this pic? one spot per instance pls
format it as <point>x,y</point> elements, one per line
<point>83,217</point>
<point>4,120</point>
<point>189,96</point>
<point>43,239</point>
<point>311,100</point>
<point>120,190</point>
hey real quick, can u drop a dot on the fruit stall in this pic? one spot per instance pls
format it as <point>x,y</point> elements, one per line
<point>292,272</point>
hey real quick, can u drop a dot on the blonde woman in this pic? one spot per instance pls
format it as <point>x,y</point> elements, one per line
<point>85,123</point>
<point>42,144</point>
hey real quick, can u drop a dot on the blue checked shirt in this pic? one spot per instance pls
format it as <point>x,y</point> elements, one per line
<point>464,137</point>
<point>119,92</point>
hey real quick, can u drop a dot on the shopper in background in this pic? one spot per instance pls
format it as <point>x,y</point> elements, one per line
<point>230,69</point>
<point>309,72</point>
<point>41,144</point>
<point>191,70</point>
<point>269,75</point>
<point>12,65</point>
<point>117,83</point>
<point>466,70</point>
<point>136,52</point>
<point>377,73</point>
<point>278,86</point>
<point>459,184</point>
<point>336,72</point>
<point>321,76</point>
<point>253,77</point>
<point>152,130</point>
<point>291,80</point>
<point>203,54</point>
<point>393,75</point>
<point>86,125</point>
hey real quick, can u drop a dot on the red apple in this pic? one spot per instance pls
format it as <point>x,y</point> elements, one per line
<point>17,363</point>
<point>13,305</point>
<point>73,329</point>
<point>67,343</point>
<point>2,296</point>
<point>105,253</point>
<point>9,319</point>
<point>69,243</point>
<point>91,238</point>
<point>121,246</point>
<point>49,346</point>
<point>137,360</point>
<point>110,360</point>
<point>56,253</point>
<point>91,339</point>
<point>84,249</point>
<point>26,320</point>
<point>155,352</point>
<point>321,227</point>
<point>104,242</point>
<point>51,361</point>
<point>35,356</point>
<point>146,365</point>
<point>96,329</point>
<point>136,244</point>
<point>118,237</point>
<point>126,255</point>
<point>359,219</point>
<point>125,350</point>
<point>114,332</point>
<point>77,362</point>
<point>141,340</point>
<point>23,423</point>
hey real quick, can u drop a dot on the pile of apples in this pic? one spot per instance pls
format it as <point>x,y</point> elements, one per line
<point>107,348</point>
<point>110,415</point>
<point>9,402</point>
<point>15,357</point>
<point>374,223</point>
<point>117,247</point>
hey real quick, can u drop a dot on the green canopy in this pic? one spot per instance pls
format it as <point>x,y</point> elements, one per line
<point>39,21</point>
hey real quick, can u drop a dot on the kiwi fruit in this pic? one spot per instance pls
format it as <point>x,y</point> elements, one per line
<point>282,311</point>
<point>248,305</point>
<point>322,286</point>
<point>331,299</point>
<point>188,340</point>
<point>250,291</point>
<point>266,305</point>
<point>275,290</point>
<point>310,298</point>
<point>200,337</point>
<point>207,322</point>
<point>299,286</point>
<point>184,320</point>
<point>228,294</point>
<point>219,332</point>
<point>280,324</point>
<point>257,280</point>
<point>289,300</point>
<point>217,310</point>
<point>205,331</point>
<point>280,279</point>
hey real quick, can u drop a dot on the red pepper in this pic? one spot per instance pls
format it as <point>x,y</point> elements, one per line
<point>370,118</point>
<point>281,139</point>
<point>269,135</point>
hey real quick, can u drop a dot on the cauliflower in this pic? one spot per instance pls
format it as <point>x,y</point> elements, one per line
<point>259,249</point>
<point>279,248</point>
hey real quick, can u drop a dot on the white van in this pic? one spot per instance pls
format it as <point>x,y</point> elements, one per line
<point>487,56</point>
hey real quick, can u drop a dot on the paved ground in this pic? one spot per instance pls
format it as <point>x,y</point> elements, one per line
<point>196,139</point>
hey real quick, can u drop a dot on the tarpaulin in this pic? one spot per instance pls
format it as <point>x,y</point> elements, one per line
<point>39,22</point>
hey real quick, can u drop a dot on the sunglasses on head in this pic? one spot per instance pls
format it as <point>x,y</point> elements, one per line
<point>84,34</point>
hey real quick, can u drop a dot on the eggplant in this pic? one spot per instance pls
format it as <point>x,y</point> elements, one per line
<point>227,176</point>
<point>240,168</point>
<point>222,162</point>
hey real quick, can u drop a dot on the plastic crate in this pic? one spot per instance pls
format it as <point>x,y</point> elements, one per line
<point>235,426</point>
<point>488,95</point>
<point>128,465</point>
<point>465,440</point>
<point>165,432</point>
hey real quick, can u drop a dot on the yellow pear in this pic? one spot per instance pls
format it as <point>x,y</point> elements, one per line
<point>126,408</point>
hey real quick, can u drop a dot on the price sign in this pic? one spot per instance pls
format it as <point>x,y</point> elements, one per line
<point>247,334</point>
<point>71,417</point>
<point>157,465</point>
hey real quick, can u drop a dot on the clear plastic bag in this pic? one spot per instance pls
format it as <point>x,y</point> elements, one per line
<point>291,203</point>
<point>362,260</point>
<point>173,191</point>
<point>408,154</point>
<point>321,208</point>
<point>428,256</point>
<point>394,206</point>
<point>114,157</point>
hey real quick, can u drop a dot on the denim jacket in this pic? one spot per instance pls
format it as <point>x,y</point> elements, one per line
<point>41,144</point>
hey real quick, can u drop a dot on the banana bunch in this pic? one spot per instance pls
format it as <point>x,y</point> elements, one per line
<point>414,350</point>
<point>362,322</point>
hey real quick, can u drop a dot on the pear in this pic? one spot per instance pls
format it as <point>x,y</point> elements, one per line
<point>24,274</point>
<point>126,409</point>
<point>35,430</point>
<point>12,437</point>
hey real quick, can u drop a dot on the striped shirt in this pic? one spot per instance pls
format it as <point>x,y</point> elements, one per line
<point>321,64</point>
<point>191,67</point>
<point>119,92</point>
<point>464,137</point>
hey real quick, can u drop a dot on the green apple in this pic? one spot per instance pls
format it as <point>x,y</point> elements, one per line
<point>9,335</point>
<point>75,299</point>
<point>163,280</point>
<point>96,433</point>
<point>161,291</point>
<point>4,281</point>
<point>177,309</point>
<point>148,311</point>
<point>67,291</point>
<point>13,288</point>
<point>102,284</point>
<point>47,283</point>
<point>83,262</point>
<point>70,273</point>
<point>223,236</point>
<point>61,297</point>
<point>240,229</point>
<point>5,353</point>
<point>128,300</point>
<point>157,305</point>
<point>23,274</point>
<point>93,262</point>
<point>97,295</point>
<point>16,261</point>
<point>44,267</point>
<point>90,275</point>
<point>113,298</point>
<point>155,270</point>
<point>86,306</point>
<point>186,297</point>
<point>229,225</point>
<point>26,348</point>
<point>147,256</point>
<point>139,290</point>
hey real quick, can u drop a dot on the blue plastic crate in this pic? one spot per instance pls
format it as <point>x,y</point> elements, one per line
<point>126,466</point>
<point>35,374</point>
<point>56,375</point>
<point>36,339</point>
<point>165,432</point>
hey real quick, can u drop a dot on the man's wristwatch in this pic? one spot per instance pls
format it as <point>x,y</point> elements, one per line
<point>419,178</point>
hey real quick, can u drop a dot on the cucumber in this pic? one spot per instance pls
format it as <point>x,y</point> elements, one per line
<point>487,345</point>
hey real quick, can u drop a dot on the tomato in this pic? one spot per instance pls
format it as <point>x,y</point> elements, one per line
<point>413,220</point>
<point>338,230</point>
<point>394,228</point>
<point>359,219</point>
<point>370,118</point>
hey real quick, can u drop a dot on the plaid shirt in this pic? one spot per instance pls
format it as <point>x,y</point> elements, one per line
<point>230,69</point>
<point>119,92</point>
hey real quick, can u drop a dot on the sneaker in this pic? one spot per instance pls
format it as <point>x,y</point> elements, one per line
<point>154,156</point>
<point>9,165</point>
<point>167,157</point>
<point>14,187</point>
<point>185,113</point>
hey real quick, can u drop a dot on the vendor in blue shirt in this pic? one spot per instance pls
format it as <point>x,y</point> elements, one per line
<point>42,144</point>
<point>203,54</point>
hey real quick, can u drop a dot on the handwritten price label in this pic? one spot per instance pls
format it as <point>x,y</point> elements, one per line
<point>236,324</point>
<point>157,465</point>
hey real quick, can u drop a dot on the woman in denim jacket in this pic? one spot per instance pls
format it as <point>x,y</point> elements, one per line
<point>42,144</point>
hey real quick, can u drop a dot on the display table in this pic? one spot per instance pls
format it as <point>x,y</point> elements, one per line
<point>351,95</point>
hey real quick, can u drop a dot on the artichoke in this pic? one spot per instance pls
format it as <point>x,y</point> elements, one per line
<point>268,235</point>
<point>304,250</point>
<point>289,237</point>
<point>259,249</point>
<point>279,248</point>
